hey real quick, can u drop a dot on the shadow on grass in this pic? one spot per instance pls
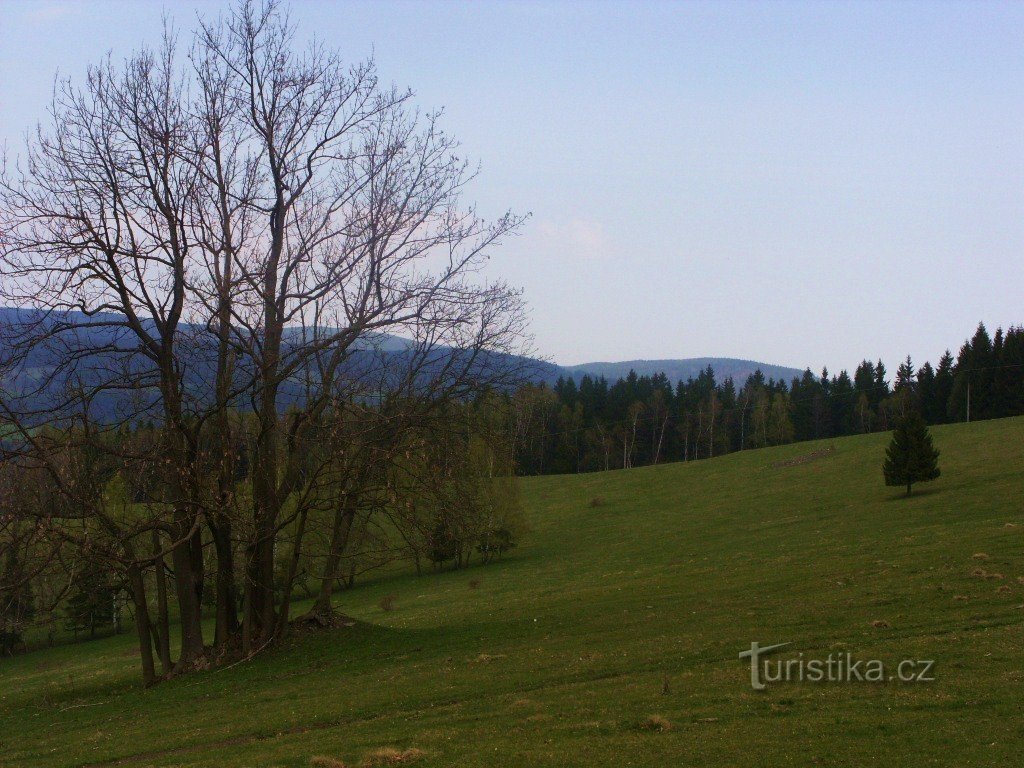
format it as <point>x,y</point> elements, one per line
<point>917,494</point>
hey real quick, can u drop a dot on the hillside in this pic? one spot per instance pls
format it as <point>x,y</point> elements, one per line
<point>378,347</point>
<point>632,597</point>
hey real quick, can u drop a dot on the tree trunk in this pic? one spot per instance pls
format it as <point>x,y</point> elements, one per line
<point>188,591</point>
<point>227,612</point>
<point>343,518</point>
<point>163,627</point>
<point>289,582</point>
<point>142,625</point>
<point>259,584</point>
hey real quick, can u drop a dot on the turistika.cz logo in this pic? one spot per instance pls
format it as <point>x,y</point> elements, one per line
<point>835,668</point>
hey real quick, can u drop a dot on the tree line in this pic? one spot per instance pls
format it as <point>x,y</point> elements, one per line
<point>595,425</point>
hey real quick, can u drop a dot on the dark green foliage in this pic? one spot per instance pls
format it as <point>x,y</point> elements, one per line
<point>444,546</point>
<point>594,424</point>
<point>17,608</point>
<point>17,600</point>
<point>496,543</point>
<point>91,604</point>
<point>911,456</point>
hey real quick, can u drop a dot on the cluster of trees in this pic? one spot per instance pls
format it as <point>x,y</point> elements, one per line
<point>439,494</point>
<point>597,425</point>
<point>226,240</point>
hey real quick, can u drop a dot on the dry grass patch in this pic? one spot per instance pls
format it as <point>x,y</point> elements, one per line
<point>979,556</point>
<point>656,723</point>
<point>390,756</point>
<point>981,573</point>
<point>880,624</point>
<point>325,762</point>
<point>805,458</point>
<point>486,658</point>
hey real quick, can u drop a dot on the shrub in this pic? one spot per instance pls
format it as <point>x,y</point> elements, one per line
<point>443,544</point>
<point>495,543</point>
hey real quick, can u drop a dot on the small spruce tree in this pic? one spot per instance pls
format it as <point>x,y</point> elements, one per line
<point>911,457</point>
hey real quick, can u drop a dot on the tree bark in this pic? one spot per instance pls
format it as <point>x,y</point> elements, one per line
<point>226,623</point>
<point>163,628</point>
<point>340,531</point>
<point>142,625</point>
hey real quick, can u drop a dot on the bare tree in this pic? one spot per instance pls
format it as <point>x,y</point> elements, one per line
<point>213,242</point>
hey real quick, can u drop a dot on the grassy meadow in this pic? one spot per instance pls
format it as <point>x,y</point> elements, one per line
<point>630,598</point>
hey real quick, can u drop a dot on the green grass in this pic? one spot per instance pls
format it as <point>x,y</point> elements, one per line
<point>562,651</point>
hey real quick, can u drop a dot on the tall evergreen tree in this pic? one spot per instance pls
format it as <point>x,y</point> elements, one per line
<point>943,389</point>
<point>911,456</point>
<point>905,388</point>
<point>926,395</point>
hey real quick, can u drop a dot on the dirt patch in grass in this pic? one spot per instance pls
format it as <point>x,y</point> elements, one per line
<point>655,723</point>
<point>806,458</point>
<point>325,762</point>
<point>487,658</point>
<point>390,756</point>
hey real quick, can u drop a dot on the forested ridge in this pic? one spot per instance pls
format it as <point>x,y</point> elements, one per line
<point>638,420</point>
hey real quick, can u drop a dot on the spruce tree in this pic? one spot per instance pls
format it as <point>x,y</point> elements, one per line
<point>911,457</point>
<point>91,603</point>
<point>943,388</point>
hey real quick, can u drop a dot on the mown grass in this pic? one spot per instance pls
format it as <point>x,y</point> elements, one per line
<point>611,637</point>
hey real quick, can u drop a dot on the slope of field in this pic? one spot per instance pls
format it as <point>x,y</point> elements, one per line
<point>615,610</point>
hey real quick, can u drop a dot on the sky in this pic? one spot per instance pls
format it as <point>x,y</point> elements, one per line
<point>804,184</point>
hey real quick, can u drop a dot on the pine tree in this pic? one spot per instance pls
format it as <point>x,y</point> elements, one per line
<point>926,395</point>
<point>943,388</point>
<point>91,603</point>
<point>911,457</point>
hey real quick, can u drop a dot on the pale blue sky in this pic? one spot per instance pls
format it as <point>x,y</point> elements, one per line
<point>799,183</point>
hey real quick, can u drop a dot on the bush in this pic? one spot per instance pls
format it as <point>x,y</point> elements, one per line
<point>495,543</point>
<point>443,545</point>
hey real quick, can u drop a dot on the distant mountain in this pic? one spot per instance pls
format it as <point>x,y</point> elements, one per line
<point>372,350</point>
<point>681,370</point>
<point>102,353</point>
